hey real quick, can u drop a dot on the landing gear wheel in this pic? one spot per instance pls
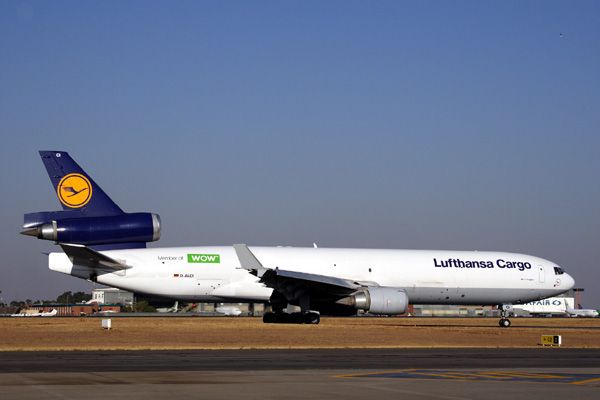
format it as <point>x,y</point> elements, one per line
<point>296,318</point>
<point>504,323</point>
<point>312,318</point>
<point>270,318</point>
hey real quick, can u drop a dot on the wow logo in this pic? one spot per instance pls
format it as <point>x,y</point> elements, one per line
<point>204,258</point>
<point>74,190</point>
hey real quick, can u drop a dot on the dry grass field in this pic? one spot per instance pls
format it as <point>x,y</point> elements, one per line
<point>34,334</point>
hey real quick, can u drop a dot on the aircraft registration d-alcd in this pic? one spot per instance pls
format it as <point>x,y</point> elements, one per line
<point>103,244</point>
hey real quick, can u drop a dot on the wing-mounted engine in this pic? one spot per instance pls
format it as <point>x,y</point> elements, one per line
<point>379,300</point>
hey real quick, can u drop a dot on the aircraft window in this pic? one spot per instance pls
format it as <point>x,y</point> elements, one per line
<point>558,271</point>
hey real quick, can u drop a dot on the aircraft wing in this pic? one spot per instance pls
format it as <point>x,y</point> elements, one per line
<point>292,283</point>
<point>86,257</point>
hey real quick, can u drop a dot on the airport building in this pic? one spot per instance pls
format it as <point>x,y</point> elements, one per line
<point>112,296</point>
<point>554,306</point>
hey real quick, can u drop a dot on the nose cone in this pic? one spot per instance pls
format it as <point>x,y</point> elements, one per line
<point>565,282</point>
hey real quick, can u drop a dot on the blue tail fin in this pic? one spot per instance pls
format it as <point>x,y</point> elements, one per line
<point>76,190</point>
<point>89,216</point>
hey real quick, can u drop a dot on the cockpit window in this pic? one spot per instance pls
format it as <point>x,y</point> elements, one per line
<point>558,271</point>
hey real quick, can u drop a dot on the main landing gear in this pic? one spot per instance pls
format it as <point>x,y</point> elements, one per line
<point>308,317</point>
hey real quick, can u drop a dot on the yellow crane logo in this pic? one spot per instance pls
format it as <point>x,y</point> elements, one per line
<point>74,190</point>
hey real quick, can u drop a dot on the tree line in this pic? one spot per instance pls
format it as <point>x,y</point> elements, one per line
<point>65,298</point>
<point>76,298</point>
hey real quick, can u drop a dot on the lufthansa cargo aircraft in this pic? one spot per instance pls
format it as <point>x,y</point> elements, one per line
<point>101,243</point>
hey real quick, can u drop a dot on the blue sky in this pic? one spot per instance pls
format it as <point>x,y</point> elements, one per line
<point>450,125</point>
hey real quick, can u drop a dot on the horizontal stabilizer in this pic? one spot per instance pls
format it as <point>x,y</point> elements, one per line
<point>86,257</point>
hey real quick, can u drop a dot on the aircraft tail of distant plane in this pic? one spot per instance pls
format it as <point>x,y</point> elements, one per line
<point>568,308</point>
<point>89,216</point>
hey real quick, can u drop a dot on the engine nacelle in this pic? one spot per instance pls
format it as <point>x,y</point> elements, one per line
<point>379,300</point>
<point>124,228</point>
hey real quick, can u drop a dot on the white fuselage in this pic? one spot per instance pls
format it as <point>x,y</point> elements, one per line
<point>428,276</point>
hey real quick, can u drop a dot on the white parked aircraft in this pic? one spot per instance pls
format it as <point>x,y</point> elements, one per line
<point>585,312</point>
<point>229,311</point>
<point>173,309</point>
<point>40,313</point>
<point>318,280</point>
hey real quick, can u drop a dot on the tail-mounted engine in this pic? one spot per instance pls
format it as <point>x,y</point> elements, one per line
<point>89,231</point>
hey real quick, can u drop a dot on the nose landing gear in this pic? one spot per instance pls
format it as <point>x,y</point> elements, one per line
<point>504,321</point>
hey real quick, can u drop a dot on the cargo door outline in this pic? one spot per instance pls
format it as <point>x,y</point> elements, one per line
<point>541,273</point>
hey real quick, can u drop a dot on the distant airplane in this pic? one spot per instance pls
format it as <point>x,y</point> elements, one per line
<point>40,313</point>
<point>173,309</point>
<point>585,312</point>
<point>97,238</point>
<point>227,310</point>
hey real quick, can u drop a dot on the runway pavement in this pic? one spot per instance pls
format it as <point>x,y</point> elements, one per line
<point>536,373</point>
